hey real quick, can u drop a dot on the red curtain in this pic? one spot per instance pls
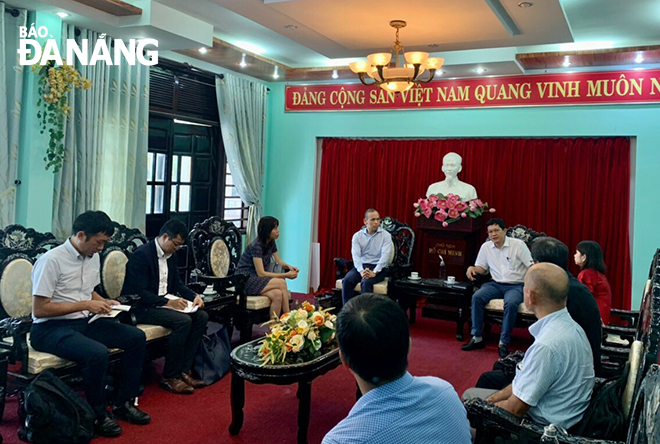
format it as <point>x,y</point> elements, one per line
<point>572,189</point>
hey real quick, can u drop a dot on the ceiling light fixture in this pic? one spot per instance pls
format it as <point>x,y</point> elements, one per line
<point>275,74</point>
<point>480,70</point>
<point>639,58</point>
<point>397,78</point>
<point>334,74</point>
<point>203,50</point>
<point>62,14</point>
<point>291,27</point>
<point>567,62</point>
<point>525,4</point>
<point>242,64</point>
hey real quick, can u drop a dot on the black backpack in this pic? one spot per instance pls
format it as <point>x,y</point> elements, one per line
<point>604,418</point>
<point>55,414</point>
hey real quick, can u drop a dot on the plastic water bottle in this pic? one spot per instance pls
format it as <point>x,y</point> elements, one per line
<point>443,269</point>
<point>549,435</point>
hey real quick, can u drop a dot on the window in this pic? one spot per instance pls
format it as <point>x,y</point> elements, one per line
<point>234,209</point>
<point>156,167</point>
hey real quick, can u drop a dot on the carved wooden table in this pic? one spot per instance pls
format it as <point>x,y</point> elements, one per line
<point>245,365</point>
<point>443,300</point>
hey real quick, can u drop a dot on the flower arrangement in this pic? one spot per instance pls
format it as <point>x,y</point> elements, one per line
<point>298,336</point>
<point>54,84</point>
<point>450,208</point>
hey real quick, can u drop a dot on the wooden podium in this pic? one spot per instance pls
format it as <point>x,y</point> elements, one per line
<point>458,244</point>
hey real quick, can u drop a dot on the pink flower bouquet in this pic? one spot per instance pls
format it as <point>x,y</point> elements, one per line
<point>450,208</point>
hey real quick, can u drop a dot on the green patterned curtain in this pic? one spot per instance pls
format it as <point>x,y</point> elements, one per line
<point>105,149</point>
<point>11,89</point>
<point>242,109</point>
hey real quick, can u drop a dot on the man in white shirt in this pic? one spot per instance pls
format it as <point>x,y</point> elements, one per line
<point>371,248</point>
<point>63,299</point>
<point>554,381</point>
<point>507,259</point>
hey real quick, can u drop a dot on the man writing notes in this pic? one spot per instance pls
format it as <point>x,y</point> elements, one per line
<point>507,260</point>
<point>63,300</point>
<point>371,248</point>
<point>152,274</point>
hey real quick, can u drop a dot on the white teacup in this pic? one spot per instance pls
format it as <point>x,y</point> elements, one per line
<point>451,279</point>
<point>414,275</point>
<point>209,289</point>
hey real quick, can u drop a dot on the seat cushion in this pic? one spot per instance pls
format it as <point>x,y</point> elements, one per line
<point>40,361</point>
<point>498,305</point>
<point>257,302</point>
<point>16,288</point>
<point>379,288</point>
<point>153,331</point>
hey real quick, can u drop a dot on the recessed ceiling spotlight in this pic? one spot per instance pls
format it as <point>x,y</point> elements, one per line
<point>334,74</point>
<point>439,73</point>
<point>525,4</point>
<point>275,74</point>
<point>639,69</point>
<point>242,64</point>
<point>567,62</point>
<point>480,70</point>
<point>62,14</point>
<point>290,26</point>
<point>639,58</point>
<point>203,50</point>
<point>433,45</point>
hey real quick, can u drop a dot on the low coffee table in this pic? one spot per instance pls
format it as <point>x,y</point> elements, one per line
<point>444,301</point>
<point>245,365</point>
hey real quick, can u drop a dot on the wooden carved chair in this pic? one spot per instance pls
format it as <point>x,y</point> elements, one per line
<point>494,311</point>
<point>403,238</point>
<point>216,246</point>
<point>114,257</point>
<point>639,397</point>
<point>618,339</point>
<point>20,247</point>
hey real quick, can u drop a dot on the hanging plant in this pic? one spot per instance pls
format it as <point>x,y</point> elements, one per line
<point>54,84</point>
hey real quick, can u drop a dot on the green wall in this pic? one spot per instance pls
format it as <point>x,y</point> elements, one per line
<point>34,200</point>
<point>292,141</point>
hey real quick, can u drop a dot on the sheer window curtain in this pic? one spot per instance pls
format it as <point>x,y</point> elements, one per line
<point>11,88</point>
<point>242,109</point>
<point>105,145</point>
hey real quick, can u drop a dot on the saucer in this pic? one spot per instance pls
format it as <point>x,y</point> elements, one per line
<point>414,279</point>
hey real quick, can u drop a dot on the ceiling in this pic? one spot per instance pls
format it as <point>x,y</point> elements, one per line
<point>308,39</point>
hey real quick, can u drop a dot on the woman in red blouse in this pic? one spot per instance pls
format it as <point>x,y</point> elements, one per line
<point>589,257</point>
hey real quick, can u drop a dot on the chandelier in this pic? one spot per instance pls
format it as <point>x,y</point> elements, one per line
<point>396,78</point>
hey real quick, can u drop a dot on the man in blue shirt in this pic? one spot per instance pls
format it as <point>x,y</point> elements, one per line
<point>396,407</point>
<point>371,248</point>
<point>554,381</point>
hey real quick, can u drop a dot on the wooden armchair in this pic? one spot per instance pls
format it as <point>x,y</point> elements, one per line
<point>639,397</point>
<point>494,311</point>
<point>403,238</point>
<point>216,246</point>
<point>618,339</point>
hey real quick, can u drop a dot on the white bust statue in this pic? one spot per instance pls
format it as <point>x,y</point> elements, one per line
<point>451,166</point>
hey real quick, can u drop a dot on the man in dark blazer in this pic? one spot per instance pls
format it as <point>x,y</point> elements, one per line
<point>152,275</point>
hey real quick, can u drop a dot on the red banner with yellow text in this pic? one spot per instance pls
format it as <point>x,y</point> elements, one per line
<point>587,88</point>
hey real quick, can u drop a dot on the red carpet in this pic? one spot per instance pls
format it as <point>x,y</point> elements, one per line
<point>271,411</point>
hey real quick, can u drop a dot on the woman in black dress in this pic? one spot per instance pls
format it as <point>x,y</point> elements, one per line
<point>258,258</point>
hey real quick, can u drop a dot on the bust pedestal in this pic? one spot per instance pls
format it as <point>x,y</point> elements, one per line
<point>458,244</point>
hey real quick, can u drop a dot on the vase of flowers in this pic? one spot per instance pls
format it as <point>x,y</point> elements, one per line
<point>450,208</point>
<point>54,84</point>
<point>298,336</point>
